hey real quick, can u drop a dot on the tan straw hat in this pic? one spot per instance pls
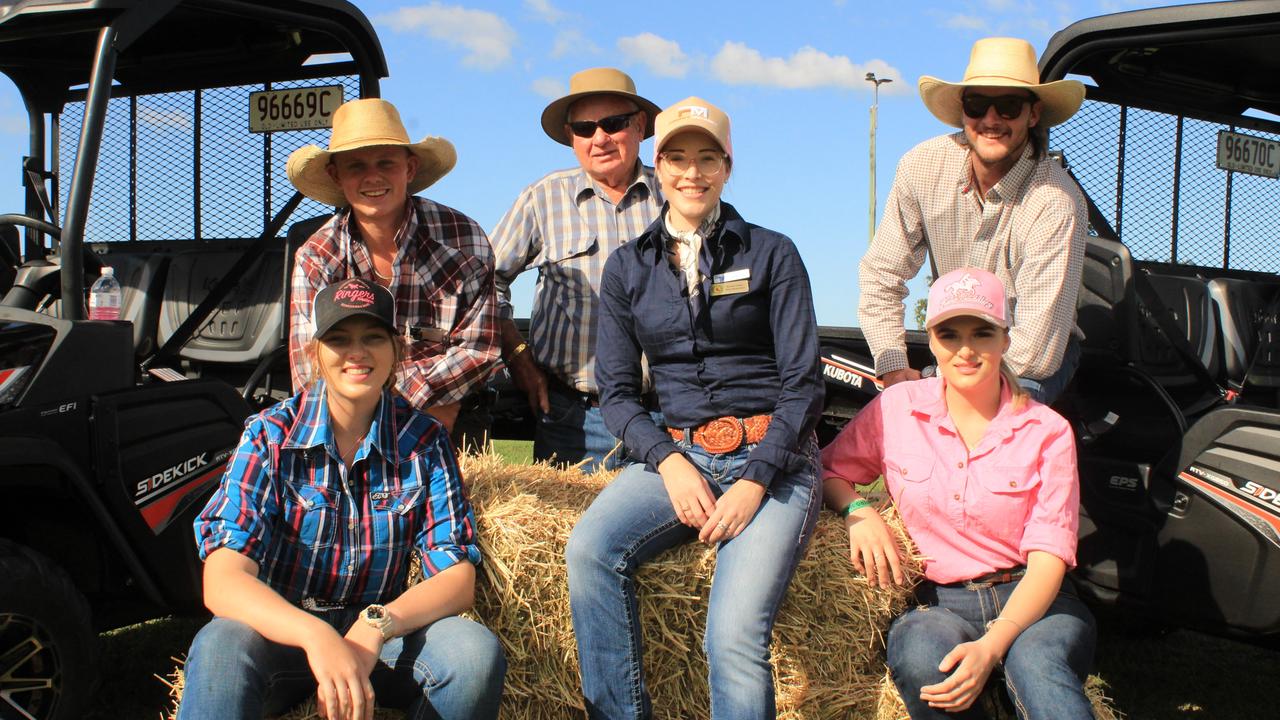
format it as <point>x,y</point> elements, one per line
<point>693,113</point>
<point>596,81</point>
<point>1002,62</point>
<point>361,124</point>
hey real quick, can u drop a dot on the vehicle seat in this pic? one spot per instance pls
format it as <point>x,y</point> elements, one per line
<point>1190,309</point>
<point>248,325</point>
<point>141,279</point>
<point>1242,307</point>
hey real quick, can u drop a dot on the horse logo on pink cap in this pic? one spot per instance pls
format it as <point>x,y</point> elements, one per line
<point>967,291</point>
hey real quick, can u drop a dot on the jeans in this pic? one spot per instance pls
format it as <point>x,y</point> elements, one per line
<point>630,522</point>
<point>1044,670</point>
<point>451,669</point>
<point>1048,389</point>
<point>574,431</point>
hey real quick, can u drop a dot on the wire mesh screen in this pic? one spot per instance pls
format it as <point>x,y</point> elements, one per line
<point>1154,177</point>
<point>184,166</point>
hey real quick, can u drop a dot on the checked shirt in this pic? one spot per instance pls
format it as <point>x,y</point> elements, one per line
<point>443,285</point>
<point>317,531</point>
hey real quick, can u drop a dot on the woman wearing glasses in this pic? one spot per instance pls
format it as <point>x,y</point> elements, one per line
<point>985,480</point>
<point>722,311</point>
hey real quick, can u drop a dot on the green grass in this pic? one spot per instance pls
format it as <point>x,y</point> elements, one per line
<point>516,452</point>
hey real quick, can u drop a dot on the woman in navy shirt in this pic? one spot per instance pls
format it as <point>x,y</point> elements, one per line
<point>311,531</point>
<point>723,313</point>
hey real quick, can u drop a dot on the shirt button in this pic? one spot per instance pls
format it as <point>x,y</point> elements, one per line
<point>352,524</point>
<point>1013,484</point>
<point>960,464</point>
<point>351,567</point>
<point>904,472</point>
<point>956,496</point>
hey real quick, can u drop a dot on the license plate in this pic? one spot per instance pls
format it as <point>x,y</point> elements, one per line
<point>1248,154</point>
<point>298,109</point>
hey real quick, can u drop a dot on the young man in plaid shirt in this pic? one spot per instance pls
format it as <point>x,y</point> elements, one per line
<point>435,261</point>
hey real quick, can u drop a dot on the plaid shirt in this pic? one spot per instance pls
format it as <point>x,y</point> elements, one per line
<point>566,226</point>
<point>443,286</point>
<point>1029,230</point>
<point>318,531</point>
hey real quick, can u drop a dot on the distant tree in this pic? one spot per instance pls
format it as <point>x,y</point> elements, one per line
<point>921,304</point>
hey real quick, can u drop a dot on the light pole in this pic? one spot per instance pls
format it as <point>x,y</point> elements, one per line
<point>875,105</point>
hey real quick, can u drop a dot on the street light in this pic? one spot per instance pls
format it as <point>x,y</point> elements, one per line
<point>875,105</point>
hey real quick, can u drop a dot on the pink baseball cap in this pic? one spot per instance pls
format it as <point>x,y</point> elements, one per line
<point>967,291</point>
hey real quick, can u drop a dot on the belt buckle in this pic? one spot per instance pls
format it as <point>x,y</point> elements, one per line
<point>722,435</point>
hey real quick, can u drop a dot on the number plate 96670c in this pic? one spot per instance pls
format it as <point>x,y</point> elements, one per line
<point>1248,154</point>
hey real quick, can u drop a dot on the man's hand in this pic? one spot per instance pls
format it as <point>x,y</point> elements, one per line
<point>734,512</point>
<point>343,690</point>
<point>897,376</point>
<point>690,495</point>
<point>531,379</point>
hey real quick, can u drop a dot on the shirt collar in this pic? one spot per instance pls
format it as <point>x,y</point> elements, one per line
<point>933,407</point>
<point>347,231</point>
<point>311,427</point>
<point>643,181</point>
<point>1008,187</point>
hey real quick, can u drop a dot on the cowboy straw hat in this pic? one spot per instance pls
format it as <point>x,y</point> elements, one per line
<point>360,124</point>
<point>595,81</point>
<point>1002,62</point>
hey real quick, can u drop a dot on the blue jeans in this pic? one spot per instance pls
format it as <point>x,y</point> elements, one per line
<point>450,669</point>
<point>574,431</point>
<point>1044,670</point>
<point>1048,389</point>
<point>630,522</point>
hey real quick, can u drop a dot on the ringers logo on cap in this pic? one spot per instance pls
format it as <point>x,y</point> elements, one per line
<point>354,294</point>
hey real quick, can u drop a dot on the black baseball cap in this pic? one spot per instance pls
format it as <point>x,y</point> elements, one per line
<point>352,297</point>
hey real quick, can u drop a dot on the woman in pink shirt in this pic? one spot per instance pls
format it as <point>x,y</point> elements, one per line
<point>985,480</point>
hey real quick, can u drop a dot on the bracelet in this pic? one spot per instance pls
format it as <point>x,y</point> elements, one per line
<point>1009,620</point>
<point>855,505</point>
<point>519,349</point>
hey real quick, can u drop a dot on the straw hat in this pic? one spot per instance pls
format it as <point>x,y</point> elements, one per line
<point>1002,62</point>
<point>361,124</point>
<point>596,81</point>
<point>695,113</point>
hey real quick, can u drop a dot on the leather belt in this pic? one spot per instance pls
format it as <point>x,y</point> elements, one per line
<point>724,434</point>
<point>993,578</point>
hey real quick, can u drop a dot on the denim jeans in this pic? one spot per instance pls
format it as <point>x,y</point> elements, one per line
<point>1048,389</point>
<point>630,522</point>
<point>1044,670</point>
<point>451,669</point>
<point>574,431</point>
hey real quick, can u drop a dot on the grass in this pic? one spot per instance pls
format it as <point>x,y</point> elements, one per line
<point>1175,675</point>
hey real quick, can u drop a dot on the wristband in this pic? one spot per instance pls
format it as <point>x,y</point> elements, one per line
<point>1008,620</point>
<point>855,505</point>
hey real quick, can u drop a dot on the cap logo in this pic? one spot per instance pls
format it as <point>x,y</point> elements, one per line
<point>693,111</point>
<point>354,295</point>
<point>962,291</point>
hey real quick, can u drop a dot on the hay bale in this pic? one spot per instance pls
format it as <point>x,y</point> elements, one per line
<point>827,644</point>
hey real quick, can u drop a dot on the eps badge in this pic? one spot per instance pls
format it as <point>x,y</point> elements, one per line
<point>731,283</point>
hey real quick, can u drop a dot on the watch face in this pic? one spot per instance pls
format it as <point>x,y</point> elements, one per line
<point>375,612</point>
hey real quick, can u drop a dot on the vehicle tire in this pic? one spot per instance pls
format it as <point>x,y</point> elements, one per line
<point>47,643</point>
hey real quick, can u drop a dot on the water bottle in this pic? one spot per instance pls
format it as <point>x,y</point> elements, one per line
<point>105,297</point>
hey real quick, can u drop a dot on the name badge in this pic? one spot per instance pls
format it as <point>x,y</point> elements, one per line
<point>729,288</point>
<point>740,274</point>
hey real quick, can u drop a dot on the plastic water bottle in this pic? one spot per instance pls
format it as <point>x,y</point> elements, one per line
<point>105,297</point>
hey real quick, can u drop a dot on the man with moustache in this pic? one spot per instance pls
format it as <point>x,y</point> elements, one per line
<point>566,225</point>
<point>986,197</point>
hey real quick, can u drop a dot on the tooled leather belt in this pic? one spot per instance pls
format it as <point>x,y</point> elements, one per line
<point>725,434</point>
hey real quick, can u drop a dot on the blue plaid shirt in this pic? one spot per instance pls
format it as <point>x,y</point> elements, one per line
<point>318,531</point>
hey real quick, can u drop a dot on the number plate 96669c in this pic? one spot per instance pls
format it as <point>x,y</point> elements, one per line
<point>1248,154</point>
<point>297,109</point>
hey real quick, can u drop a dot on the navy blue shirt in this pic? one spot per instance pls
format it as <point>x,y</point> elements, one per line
<point>749,348</point>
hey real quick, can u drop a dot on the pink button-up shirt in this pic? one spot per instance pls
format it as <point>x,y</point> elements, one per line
<point>970,512</point>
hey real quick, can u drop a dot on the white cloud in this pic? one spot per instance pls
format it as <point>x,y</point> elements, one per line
<point>663,57</point>
<point>156,118</point>
<point>545,10</point>
<point>966,22</point>
<point>572,42</point>
<point>549,88</point>
<point>485,36</point>
<point>738,64</point>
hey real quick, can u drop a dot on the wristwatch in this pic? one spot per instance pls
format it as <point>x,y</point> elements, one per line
<point>379,618</point>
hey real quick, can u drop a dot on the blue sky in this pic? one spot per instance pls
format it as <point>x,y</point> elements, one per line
<point>789,74</point>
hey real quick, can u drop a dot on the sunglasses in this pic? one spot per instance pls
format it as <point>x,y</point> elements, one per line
<point>1008,107</point>
<point>611,124</point>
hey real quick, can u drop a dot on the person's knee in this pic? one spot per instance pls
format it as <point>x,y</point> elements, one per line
<point>225,645</point>
<point>919,640</point>
<point>476,658</point>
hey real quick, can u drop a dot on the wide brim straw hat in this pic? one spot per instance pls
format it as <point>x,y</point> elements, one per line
<point>1002,62</point>
<point>693,113</point>
<point>360,124</point>
<point>595,81</point>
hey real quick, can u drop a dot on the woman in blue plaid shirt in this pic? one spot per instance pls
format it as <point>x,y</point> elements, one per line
<point>307,541</point>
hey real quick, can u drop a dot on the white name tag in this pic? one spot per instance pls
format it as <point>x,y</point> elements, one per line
<point>742,274</point>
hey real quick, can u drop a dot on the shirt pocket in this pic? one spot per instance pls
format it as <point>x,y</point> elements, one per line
<point>1004,508</point>
<point>907,478</point>
<point>397,514</point>
<point>311,517</point>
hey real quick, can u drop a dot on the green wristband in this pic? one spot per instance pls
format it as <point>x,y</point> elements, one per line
<point>855,505</point>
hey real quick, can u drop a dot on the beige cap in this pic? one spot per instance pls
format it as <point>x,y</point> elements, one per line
<point>594,81</point>
<point>695,113</point>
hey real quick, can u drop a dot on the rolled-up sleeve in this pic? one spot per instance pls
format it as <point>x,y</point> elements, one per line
<point>1055,513</point>
<point>235,516</point>
<point>448,533</point>
<point>516,241</point>
<point>857,454</point>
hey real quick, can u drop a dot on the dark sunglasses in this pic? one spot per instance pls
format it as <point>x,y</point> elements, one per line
<point>611,124</point>
<point>1008,107</point>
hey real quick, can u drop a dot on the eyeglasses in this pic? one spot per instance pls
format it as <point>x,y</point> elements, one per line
<point>1008,107</point>
<point>611,124</point>
<point>708,163</point>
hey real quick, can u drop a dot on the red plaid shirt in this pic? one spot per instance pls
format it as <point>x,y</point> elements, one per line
<point>443,285</point>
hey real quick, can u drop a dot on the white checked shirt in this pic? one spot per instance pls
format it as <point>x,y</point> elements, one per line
<point>566,226</point>
<point>1030,230</point>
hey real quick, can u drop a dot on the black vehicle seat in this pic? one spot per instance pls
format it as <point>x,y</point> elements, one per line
<point>1104,307</point>
<point>1242,306</point>
<point>1190,310</point>
<point>249,323</point>
<point>141,278</point>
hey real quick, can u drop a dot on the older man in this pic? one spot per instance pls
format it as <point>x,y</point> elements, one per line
<point>986,197</point>
<point>565,225</point>
<point>435,261</point>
